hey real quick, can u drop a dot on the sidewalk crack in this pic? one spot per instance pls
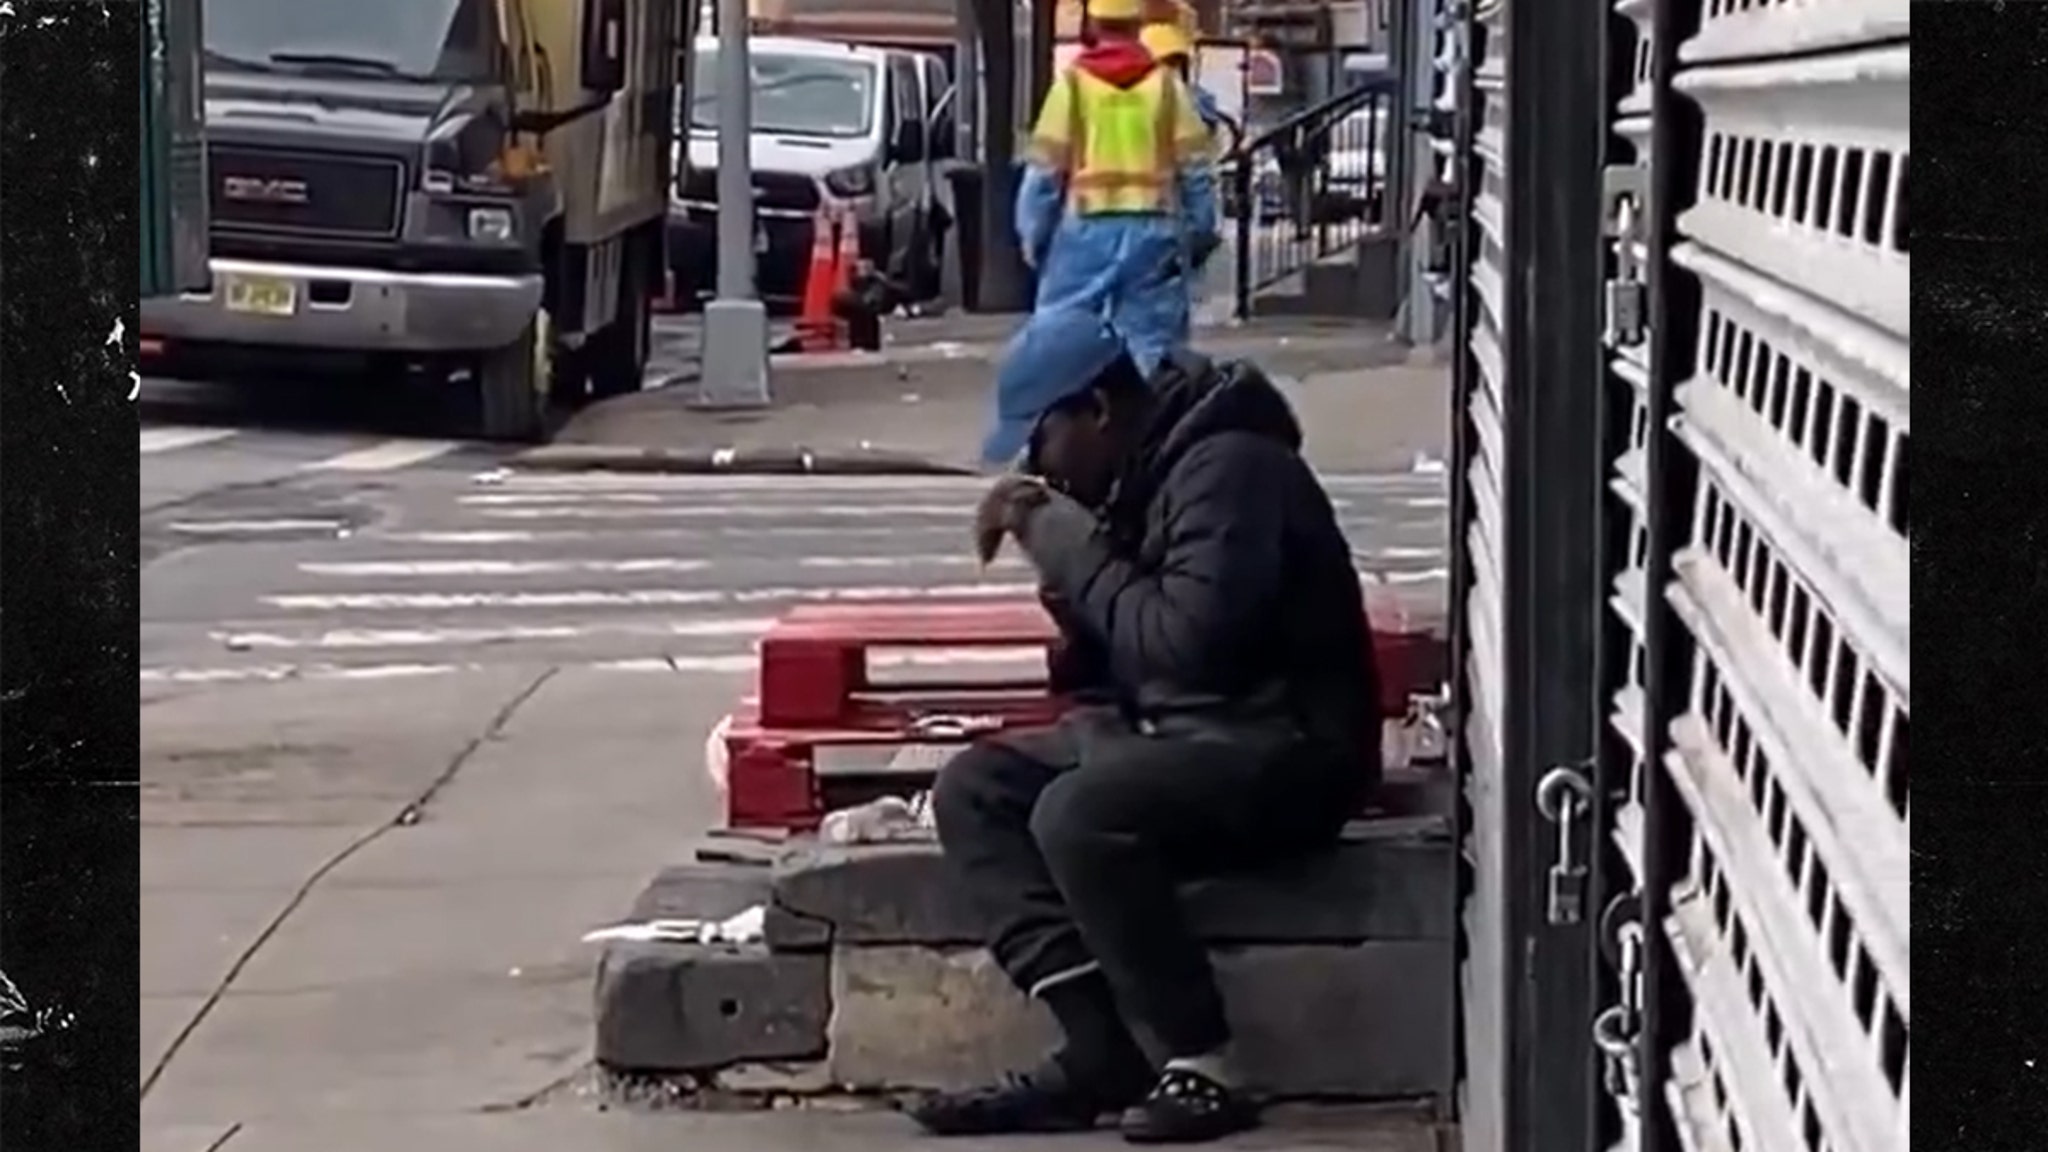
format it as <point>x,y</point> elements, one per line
<point>406,816</point>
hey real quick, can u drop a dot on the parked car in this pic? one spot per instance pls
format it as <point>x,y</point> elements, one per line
<point>833,124</point>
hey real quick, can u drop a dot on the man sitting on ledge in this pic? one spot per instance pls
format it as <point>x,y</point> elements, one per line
<point>1217,647</point>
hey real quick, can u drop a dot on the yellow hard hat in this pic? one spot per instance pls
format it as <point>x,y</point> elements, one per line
<point>1165,41</point>
<point>1132,10</point>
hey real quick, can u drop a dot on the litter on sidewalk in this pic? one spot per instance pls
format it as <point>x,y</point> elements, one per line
<point>743,928</point>
<point>880,821</point>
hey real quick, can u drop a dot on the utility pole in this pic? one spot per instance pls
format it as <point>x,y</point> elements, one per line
<point>967,75</point>
<point>1416,27</point>
<point>735,356</point>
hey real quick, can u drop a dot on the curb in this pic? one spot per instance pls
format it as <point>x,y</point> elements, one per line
<point>733,461</point>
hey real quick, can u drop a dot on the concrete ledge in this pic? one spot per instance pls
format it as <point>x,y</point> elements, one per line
<point>684,1007</point>
<point>1356,1021</point>
<point>1362,1021</point>
<point>756,461</point>
<point>704,891</point>
<point>907,1017</point>
<point>1389,880</point>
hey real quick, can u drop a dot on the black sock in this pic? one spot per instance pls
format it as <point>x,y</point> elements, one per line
<point>1100,1055</point>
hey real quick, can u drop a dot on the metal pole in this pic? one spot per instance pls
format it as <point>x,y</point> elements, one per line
<point>735,372</point>
<point>1421,24</point>
<point>967,75</point>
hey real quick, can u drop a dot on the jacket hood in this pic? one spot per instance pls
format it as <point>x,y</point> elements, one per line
<point>1193,399</point>
<point>1116,61</point>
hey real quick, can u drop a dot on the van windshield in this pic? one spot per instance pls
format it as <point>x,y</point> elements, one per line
<point>794,95</point>
<point>397,39</point>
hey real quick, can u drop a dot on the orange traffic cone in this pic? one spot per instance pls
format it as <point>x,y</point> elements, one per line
<point>816,328</point>
<point>847,258</point>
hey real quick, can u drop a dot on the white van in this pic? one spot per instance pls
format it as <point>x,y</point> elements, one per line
<point>831,122</point>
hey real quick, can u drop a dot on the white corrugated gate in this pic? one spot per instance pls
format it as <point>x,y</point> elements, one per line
<point>1484,976</point>
<point>1755,674</point>
<point>1787,744</point>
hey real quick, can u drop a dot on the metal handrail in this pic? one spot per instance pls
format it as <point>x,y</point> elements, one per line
<point>1312,201</point>
<point>1334,108</point>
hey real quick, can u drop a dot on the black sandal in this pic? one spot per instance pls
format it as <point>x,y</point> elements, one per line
<point>1044,1100</point>
<point>1186,1107</point>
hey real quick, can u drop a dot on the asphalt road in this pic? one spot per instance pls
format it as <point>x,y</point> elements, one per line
<point>316,558</point>
<point>412,722</point>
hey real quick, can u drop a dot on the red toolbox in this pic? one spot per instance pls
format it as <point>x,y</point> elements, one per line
<point>819,696</point>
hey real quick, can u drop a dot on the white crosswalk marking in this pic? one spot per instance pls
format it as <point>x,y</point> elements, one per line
<point>313,452</point>
<point>289,524</point>
<point>745,628</point>
<point>1001,658</point>
<point>385,457</point>
<point>638,597</point>
<point>484,567</point>
<point>631,573</point>
<point>170,438</point>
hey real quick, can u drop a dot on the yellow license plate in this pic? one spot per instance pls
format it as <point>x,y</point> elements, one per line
<point>262,297</point>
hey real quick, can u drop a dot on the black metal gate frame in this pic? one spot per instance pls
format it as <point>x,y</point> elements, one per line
<point>1553,568</point>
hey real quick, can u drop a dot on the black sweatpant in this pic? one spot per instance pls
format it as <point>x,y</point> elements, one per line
<point>1073,839</point>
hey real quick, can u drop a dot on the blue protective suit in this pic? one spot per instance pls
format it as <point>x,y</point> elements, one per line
<point>1206,106</point>
<point>1132,268</point>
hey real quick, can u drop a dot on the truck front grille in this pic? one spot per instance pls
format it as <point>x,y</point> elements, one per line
<point>305,193</point>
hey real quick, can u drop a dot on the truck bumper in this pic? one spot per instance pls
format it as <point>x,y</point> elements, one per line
<point>353,309</point>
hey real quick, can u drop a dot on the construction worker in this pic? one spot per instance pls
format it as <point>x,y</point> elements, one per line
<point>1169,43</point>
<point>1118,195</point>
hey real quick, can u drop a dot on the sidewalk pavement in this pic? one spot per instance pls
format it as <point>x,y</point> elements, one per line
<point>1368,404</point>
<point>366,898</point>
<point>802,1130</point>
<point>362,903</point>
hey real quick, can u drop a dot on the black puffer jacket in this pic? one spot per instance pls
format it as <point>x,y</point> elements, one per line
<point>1215,590</point>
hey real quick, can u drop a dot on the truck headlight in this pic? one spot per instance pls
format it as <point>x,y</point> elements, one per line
<point>851,183</point>
<point>491,224</point>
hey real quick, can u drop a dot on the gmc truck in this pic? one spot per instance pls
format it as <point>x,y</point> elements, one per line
<point>470,190</point>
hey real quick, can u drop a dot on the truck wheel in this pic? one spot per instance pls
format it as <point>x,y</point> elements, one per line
<point>508,401</point>
<point>615,358</point>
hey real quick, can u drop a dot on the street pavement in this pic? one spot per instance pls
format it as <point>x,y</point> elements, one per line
<point>413,721</point>
<point>439,568</point>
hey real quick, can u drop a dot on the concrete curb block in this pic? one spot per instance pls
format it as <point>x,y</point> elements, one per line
<point>733,461</point>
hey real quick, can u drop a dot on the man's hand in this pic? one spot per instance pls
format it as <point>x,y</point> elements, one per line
<point>1003,511</point>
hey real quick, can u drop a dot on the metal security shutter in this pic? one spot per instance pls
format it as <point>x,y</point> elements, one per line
<point>1478,601</point>
<point>1624,664</point>
<point>1775,689</point>
<point>1447,67</point>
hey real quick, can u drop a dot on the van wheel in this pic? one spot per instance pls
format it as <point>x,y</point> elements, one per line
<point>508,397</point>
<point>615,359</point>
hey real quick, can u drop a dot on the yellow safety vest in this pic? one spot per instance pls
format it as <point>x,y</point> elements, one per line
<point>1118,150</point>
